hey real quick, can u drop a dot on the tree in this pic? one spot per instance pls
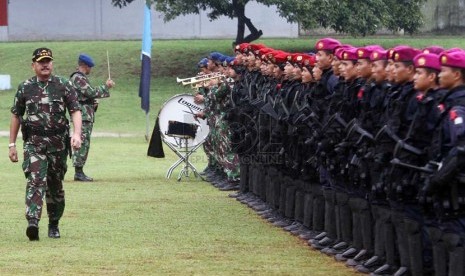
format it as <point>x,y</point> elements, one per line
<point>355,17</point>
<point>232,9</point>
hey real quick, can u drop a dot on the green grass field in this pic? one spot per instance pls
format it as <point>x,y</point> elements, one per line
<point>132,220</point>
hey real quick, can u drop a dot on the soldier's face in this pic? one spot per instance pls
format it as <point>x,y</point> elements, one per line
<point>306,75</point>
<point>448,77</point>
<point>378,71</point>
<point>389,71</point>
<point>364,68</point>
<point>323,59</point>
<point>401,72</point>
<point>317,72</point>
<point>335,64</point>
<point>288,70</point>
<point>423,80</point>
<point>348,70</point>
<point>297,73</point>
<point>43,68</point>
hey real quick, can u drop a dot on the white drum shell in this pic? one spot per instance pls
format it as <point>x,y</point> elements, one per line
<point>179,108</point>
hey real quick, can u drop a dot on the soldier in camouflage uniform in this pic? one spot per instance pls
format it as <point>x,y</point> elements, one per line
<point>87,96</point>
<point>44,99</point>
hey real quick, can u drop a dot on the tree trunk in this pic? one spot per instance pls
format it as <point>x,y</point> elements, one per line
<point>242,21</point>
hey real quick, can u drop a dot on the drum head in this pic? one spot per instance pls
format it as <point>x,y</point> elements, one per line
<point>180,108</point>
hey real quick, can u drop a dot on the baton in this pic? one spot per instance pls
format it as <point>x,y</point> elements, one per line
<point>108,63</point>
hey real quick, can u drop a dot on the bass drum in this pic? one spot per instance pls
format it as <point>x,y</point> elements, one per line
<point>180,108</point>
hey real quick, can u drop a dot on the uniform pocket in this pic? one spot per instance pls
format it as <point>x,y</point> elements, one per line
<point>57,106</point>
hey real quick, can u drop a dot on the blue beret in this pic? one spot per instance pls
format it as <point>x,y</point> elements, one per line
<point>87,60</point>
<point>215,56</point>
<point>202,63</point>
<point>227,61</point>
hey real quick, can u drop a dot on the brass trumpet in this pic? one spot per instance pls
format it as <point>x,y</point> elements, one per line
<point>200,78</point>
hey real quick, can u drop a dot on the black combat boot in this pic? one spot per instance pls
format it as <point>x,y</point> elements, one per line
<point>53,230</point>
<point>79,175</point>
<point>32,230</point>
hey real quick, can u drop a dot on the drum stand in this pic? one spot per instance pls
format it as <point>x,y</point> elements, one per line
<point>183,152</point>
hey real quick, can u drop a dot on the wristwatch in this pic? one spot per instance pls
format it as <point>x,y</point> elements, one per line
<point>10,145</point>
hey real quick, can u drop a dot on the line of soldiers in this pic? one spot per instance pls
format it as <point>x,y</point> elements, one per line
<point>358,150</point>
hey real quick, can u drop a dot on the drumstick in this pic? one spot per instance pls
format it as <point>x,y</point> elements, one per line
<point>108,63</point>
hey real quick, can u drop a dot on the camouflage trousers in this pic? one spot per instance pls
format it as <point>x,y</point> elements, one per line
<point>44,173</point>
<point>228,160</point>
<point>80,156</point>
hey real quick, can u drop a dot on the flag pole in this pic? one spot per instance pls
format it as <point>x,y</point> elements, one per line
<point>144,85</point>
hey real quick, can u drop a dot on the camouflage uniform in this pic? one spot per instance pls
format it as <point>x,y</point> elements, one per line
<point>46,141</point>
<point>87,96</point>
<point>228,160</point>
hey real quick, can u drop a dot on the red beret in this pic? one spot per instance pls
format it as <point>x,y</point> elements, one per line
<point>254,48</point>
<point>304,60</point>
<point>433,50</point>
<point>453,59</point>
<point>241,48</point>
<point>349,54</point>
<point>405,53</point>
<point>427,61</point>
<point>277,57</point>
<point>379,55</point>
<point>328,44</point>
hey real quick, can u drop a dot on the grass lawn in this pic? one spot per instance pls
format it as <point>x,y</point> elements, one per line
<point>132,220</point>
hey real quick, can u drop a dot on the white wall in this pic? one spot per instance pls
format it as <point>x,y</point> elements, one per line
<point>98,19</point>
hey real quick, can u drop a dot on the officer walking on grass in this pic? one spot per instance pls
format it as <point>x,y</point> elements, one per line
<point>43,101</point>
<point>87,96</point>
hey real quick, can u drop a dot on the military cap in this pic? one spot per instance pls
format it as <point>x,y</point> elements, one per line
<point>327,44</point>
<point>202,63</point>
<point>304,60</point>
<point>278,57</point>
<point>365,52</point>
<point>215,56</point>
<point>433,50</point>
<point>263,51</point>
<point>452,50</point>
<point>86,59</point>
<point>349,54</point>
<point>405,53</point>
<point>379,55</point>
<point>390,54</point>
<point>254,48</point>
<point>227,61</point>
<point>453,59</point>
<point>340,49</point>
<point>41,53</point>
<point>430,61</point>
<point>241,48</point>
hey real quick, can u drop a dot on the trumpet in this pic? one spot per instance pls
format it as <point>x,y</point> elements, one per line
<point>201,79</point>
<point>198,78</point>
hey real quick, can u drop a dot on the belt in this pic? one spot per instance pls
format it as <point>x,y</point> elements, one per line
<point>46,132</point>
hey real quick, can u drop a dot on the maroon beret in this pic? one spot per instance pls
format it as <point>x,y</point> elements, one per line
<point>379,55</point>
<point>405,53</point>
<point>453,59</point>
<point>349,54</point>
<point>427,61</point>
<point>328,44</point>
<point>433,50</point>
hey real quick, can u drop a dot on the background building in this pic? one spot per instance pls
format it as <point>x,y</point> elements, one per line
<point>98,19</point>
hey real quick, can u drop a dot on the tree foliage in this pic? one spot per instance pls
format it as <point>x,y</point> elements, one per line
<point>355,17</point>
